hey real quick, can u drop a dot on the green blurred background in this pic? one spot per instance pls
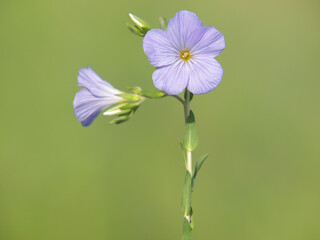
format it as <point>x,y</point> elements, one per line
<point>59,180</point>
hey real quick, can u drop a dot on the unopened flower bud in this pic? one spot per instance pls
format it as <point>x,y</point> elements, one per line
<point>140,27</point>
<point>163,23</point>
<point>122,118</point>
<point>136,90</point>
<point>154,94</point>
<point>131,106</point>
<point>116,110</point>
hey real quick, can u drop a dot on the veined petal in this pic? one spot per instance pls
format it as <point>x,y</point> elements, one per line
<point>87,106</point>
<point>207,41</point>
<point>205,75</point>
<point>159,49</point>
<point>171,79</point>
<point>195,37</point>
<point>89,79</point>
<point>181,26</point>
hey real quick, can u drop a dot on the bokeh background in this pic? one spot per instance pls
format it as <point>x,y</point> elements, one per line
<point>59,180</point>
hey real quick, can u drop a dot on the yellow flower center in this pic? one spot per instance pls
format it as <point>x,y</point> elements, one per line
<point>185,55</point>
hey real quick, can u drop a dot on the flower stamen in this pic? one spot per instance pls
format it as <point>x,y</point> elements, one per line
<point>185,55</point>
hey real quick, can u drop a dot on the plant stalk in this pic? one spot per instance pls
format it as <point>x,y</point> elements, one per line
<point>188,153</point>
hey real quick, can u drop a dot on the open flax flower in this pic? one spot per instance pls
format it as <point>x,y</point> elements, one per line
<point>184,55</point>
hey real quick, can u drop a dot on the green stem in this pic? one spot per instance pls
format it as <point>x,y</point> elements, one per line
<point>189,162</point>
<point>179,98</point>
<point>187,105</point>
<point>189,169</point>
<point>188,153</point>
<point>186,115</point>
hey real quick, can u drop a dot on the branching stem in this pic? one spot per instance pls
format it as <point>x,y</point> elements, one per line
<point>179,98</point>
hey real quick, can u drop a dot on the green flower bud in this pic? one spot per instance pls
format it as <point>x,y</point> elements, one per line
<point>163,23</point>
<point>135,30</point>
<point>116,110</point>
<point>131,106</point>
<point>140,27</point>
<point>136,90</point>
<point>122,118</point>
<point>154,94</point>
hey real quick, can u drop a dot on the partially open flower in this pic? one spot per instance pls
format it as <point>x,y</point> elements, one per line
<point>95,96</point>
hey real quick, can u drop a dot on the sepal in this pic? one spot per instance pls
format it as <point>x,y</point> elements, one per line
<point>130,96</point>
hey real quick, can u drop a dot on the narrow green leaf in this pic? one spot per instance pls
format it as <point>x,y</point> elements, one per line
<point>199,163</point>
<point>190,140</point>
<point>186,233</point>
<point>184,156</point>
<point>186,195</point>
<point>192,219</point>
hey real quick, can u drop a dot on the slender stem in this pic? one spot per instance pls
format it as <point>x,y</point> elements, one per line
<point>188,153</point>
<point>189,162</point>
<point>187,105</point>
<point>179,98</point>
<point>186,115</point>
<point>189,169</point>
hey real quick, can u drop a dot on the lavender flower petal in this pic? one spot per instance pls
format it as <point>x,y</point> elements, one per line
<point>205,75</point>
<point>181,26</point>
<point>195,37</point>
<point>89,79</point>
<point>159,49</point>
<point>211,42</point>
<point>171,79</point>
<point>86,106</point>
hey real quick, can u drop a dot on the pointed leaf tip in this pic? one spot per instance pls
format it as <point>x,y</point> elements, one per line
<point>199,163</point>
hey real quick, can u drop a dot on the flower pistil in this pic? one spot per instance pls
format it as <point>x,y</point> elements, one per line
<point>185,55</point>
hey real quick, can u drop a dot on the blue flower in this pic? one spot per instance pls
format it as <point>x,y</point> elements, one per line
<point>184,55</point>
<point>95,96</point>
